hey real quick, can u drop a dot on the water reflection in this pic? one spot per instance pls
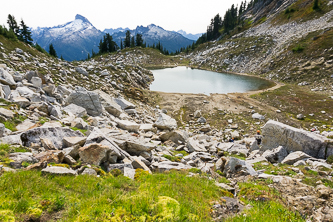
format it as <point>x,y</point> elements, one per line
<point>186,80</point>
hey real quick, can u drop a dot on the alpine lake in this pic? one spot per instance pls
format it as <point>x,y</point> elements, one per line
<point>186,80</point>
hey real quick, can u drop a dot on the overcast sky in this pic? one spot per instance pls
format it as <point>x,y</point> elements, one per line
<point>192,16</point>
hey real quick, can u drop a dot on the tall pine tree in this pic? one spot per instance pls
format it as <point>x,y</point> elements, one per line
<point>52,51</point>
<point>25,33</point>
<point>13,24</point>
<point>132,42</point>
<point>127,41</point>
<point>139,40</point>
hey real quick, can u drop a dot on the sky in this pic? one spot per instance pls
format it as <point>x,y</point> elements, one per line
<point>192,16</point>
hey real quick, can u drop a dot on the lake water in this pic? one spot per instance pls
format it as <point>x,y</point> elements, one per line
<point>187,80</point>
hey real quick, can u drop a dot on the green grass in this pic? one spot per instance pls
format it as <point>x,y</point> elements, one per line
<point>330,159</point>
<point>81,130</point>
<point>12,123</point>
<point>280,169</point>
<point>298,48</point>
<point>5,149</point>
<point>328,183</point>
<point>267,204</point>
<point>88,198</point>
<point>172,158</point>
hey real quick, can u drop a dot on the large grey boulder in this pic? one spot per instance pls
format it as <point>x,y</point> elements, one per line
<point>278,134</point>
<point>177,136</point>
<point>37,82</point>
<point>82,71</point>
<point>138,164</point>
<point>168,165</point>
<point>76,110</point>
<point>19,158</point>
<point>119,166</point>
<point>236,166</point>
<point>6,113</point>
<point>124,104</point>
<point>132,144</point>
<point>5,91</point>
<point>94,154</point>
<point>128,125</point>
<point>109,104</point>
<point>165,122</point>
<point>2,129</point>
<point>276,155</point>
<point>88,100</point>
<point>294,157</point>
<point>194,145</point>
<point>56,170</point>
<point>238,149</point>
<point>79,123</point>
<point>72,141</point>
<point>258,116</point>
<point>89,171</point>
<point>21,101</point>
<point>25,92</point>
<point>12,139</point>
<point>54,134</point>
<point>97,136</point>
<point>6,78</point>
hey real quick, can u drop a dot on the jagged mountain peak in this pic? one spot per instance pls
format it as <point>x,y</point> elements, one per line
<point>73,40</point>
<point>82,18</point>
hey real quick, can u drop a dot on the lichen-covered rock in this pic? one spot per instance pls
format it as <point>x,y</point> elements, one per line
<point>54,134</point>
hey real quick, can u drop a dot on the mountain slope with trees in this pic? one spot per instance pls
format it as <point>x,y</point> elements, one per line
<point>153,35</point>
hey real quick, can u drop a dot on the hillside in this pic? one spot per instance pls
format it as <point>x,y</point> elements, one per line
<point>292,47</point>
<point>88,140</point>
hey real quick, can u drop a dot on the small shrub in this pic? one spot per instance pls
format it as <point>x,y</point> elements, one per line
<point>330,159</point>
<point>195,170</point>
<point>172,158</point>
<point>139,173</point>
<point>224,180</point>
<point>328,183</point>
<point>25,164</point>
<point>298,48</point>
<point>59,203</point>
<point>116,172</point>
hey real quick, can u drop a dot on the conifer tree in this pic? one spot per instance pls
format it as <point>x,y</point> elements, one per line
<point>13,24</point>
<point>132,42</point>
<point>139,40</point>
<point>25,33</point>
<point>127,41</point>
<point>315,5</point>
<point>52,51</point>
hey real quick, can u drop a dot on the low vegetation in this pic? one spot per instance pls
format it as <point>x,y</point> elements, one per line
<point>29,195</point>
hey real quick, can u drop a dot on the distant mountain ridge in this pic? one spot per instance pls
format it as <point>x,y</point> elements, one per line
<point>112,31</point>
<point>153,34</point>
<point>73,40</point>
<point>189,35</point>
